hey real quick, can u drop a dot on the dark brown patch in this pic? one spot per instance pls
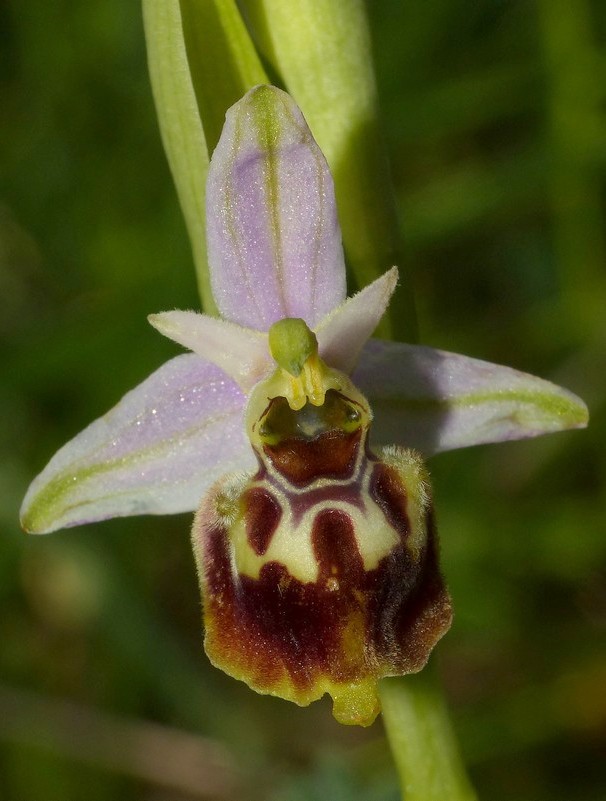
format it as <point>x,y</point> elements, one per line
<point>329,455</point>
<point>262,515</point>
<point>411,608</point>
<point>335,548</point>
<point>389,492</point>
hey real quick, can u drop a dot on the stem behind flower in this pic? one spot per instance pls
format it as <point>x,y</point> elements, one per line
<point>422,740</point>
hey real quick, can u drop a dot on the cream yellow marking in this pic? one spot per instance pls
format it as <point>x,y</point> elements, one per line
<point>291,545</point>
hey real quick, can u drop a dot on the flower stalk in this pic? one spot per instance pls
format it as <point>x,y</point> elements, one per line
<point>201,60</point>
<point>422,739</point>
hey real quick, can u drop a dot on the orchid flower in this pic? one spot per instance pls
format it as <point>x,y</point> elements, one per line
<point>296,437</point>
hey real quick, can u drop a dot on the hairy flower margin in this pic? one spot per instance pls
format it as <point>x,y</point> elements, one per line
<point>245,397</point>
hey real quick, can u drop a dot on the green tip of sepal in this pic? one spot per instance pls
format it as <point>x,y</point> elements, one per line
<point>267,104</point>
<point>291,344</point>
<point>47,505</point>
<point>41,512</point>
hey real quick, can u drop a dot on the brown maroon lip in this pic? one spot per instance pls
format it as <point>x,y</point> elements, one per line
<point>331,454</point>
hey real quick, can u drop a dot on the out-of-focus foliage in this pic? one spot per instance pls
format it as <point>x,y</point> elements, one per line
<point>495,114</point>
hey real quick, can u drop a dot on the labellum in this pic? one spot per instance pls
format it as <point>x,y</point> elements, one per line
<point>319,572</point>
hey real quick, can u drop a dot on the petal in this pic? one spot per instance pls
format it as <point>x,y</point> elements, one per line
<point>156,452</point>
<point>274,243</point>
<point>240,352</point>
<point>435,401</point>
<point>343,333</point>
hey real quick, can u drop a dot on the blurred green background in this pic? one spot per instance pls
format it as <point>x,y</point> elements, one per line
<point>495,118</point>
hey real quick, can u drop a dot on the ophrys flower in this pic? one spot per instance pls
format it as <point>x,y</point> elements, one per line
<point>318,559</point>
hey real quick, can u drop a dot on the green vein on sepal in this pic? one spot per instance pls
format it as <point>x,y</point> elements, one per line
<point>555,406</point>
<point>46,507</point>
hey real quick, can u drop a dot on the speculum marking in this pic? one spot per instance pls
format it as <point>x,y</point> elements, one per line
<point>262,515</point>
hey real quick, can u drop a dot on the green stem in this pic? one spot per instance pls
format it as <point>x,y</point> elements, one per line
<point>201,60</point>
<point>422,740</point>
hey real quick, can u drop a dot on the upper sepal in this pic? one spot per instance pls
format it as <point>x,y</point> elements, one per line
<point>274,242</point>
